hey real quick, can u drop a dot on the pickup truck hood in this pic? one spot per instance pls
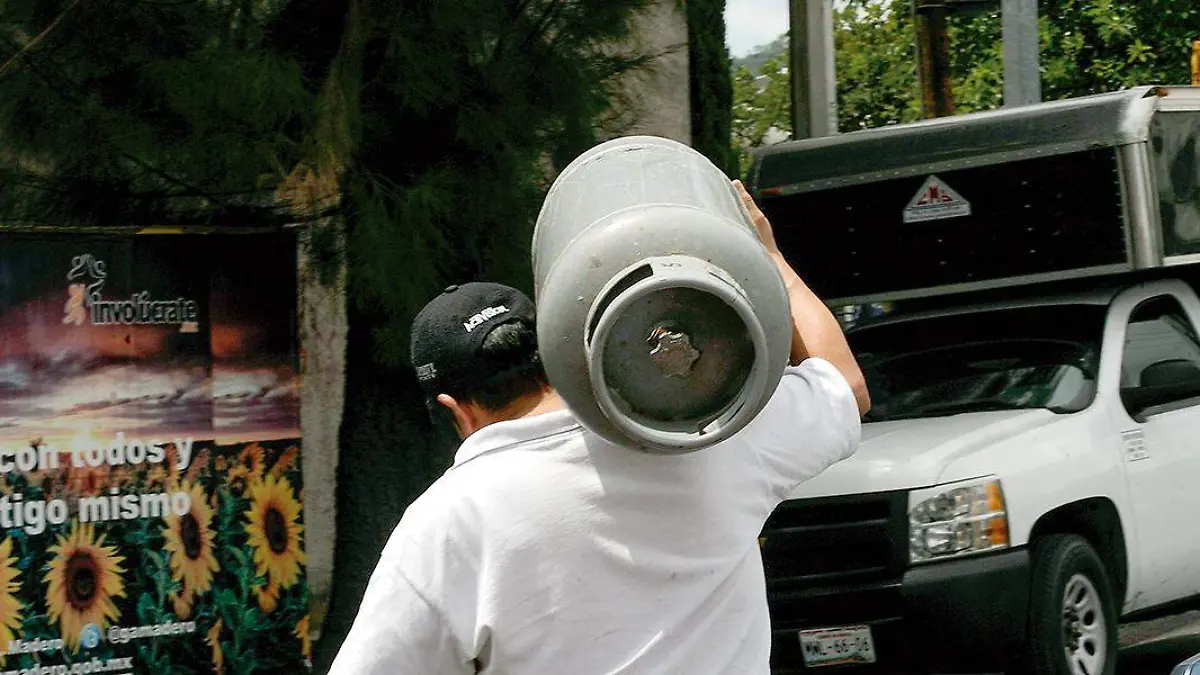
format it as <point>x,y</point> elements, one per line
<point>913,453</point>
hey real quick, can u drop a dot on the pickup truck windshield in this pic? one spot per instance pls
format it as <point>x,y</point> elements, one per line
<point>1028,357</point>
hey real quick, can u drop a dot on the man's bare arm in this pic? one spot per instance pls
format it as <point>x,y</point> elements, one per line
<point>815,330</point>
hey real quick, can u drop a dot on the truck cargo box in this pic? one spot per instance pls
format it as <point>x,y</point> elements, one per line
<point>1098,185</point>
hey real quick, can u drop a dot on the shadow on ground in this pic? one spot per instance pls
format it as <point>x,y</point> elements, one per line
<point>1158,657</point>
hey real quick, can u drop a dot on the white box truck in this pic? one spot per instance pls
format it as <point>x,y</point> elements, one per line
<point>1029,474</point>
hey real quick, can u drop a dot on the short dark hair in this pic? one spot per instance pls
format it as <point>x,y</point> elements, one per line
<point>509,359</point>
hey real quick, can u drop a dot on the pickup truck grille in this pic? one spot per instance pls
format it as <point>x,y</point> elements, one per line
<point>836,561</point>
<point>835,542</point>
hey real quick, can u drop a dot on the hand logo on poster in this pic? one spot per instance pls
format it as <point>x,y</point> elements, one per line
<point>74,311</point>
<point>78,293</point>
<point>87,305</point>
<point>88,264</point>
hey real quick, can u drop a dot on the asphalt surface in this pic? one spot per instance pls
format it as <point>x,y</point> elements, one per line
<point>1155,647</point>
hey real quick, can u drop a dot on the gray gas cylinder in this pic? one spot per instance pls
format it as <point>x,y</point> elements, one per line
<point>662,321</point>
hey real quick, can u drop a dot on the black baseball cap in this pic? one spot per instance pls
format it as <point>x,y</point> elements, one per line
<point>448,332</point>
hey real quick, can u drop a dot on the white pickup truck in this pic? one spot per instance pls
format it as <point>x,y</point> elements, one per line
<point>1029,474</point>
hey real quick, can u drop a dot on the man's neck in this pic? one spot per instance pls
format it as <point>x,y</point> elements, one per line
<point>544,401</point>
<point>538,403</point>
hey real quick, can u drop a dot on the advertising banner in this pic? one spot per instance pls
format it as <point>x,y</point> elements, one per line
<point>150,500</point>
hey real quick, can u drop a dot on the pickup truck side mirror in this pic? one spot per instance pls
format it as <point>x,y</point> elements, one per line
<point>1162,383</point>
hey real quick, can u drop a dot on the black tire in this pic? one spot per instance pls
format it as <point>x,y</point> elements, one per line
<point>1059,561</point>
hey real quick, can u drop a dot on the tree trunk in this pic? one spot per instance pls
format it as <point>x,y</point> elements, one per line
<point>315,187</point>
<point>323,327</point>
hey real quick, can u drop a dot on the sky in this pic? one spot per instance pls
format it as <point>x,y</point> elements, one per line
<point>752,23</point>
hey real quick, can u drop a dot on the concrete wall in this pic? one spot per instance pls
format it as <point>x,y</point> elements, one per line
<point>656,99</point>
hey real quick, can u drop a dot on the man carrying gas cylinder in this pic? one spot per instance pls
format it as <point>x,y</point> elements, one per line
<point>547,550</point>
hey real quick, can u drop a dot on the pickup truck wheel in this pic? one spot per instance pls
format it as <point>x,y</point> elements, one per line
<point>1073,621</point>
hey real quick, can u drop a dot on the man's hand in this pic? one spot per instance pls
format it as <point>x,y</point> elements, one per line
<point>816,332</point>
<point>765,234</point>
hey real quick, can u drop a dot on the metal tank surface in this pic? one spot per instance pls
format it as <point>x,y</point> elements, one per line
<point>662,321</point>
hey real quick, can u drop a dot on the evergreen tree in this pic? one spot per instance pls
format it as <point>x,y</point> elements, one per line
<point>134,114</point>
<point>419,134</point>
<point>456,115</point>
<point>711,85</point>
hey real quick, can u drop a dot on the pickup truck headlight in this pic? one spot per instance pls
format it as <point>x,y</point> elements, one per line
<point>957,519</point>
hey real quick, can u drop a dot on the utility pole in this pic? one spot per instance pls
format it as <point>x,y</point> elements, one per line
<point>933,48</point>
<point>1196,62</point>
<point>1022,79</point>
<point>811,69</point>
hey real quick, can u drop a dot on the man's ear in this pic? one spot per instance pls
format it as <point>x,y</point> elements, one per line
<point>466,415</point>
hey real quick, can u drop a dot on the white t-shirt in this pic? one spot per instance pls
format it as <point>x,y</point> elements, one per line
<point>546,550</point>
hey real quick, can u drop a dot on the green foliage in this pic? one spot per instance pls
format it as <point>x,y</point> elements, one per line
<point>1087,47</point>
<point>711,88</point>
<point>134,114</point>
<point>762,107</point>
<point>976,62</point>
<point>876,77</point>
<point>435,123</point>
<point>448,169</point>
<point>876,61</point>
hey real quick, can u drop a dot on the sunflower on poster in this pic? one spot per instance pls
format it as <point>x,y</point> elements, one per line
<point>267,595</point>
<point>87,481</point>
<point>302,631</point>
<point>274,533</point>
<point>181,601</point>
<point>37,475</point>
<point>248,468</point>
<point>10,606</point>
<point>198,465</point>
<point>122,476</point>
<point>189,539</point>
<point>254,456</point>
<point>84,578</point>
<point>286,461</point>
<point>156,477</point>
<point>170,479</point>
<point>213,640</point>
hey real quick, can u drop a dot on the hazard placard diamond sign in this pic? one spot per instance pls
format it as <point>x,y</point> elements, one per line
<point>935,201</point>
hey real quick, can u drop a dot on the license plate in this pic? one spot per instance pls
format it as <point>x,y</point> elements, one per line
<point>836,646</point>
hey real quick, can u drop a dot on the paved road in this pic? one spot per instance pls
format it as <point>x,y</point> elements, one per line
<point>1154,647</point>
